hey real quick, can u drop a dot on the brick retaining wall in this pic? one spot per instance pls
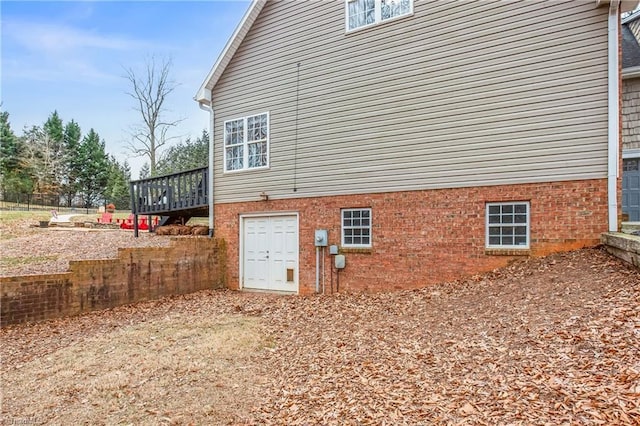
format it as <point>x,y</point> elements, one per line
<point>189,264</point>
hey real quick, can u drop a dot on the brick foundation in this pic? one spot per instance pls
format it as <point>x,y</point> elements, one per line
<point>423,237</point>
<point>189,264</point>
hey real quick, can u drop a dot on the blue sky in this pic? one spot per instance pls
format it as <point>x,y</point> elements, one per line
<point>70,56</point>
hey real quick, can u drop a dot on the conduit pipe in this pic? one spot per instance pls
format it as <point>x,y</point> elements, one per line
<point>317,269</point>
<point>323,280</point>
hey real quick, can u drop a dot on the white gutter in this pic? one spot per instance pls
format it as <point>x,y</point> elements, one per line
<point>613,114</point>
<point>624,5</point>
<point>631,17</point>
<point>207,105</point>
<point>631,72</point>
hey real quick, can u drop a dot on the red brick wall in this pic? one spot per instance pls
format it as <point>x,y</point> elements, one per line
<point>424,237</point>
<point>189,264</point>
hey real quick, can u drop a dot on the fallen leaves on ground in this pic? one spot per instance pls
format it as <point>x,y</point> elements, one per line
<point>544,341</point>
<point>27,250</point>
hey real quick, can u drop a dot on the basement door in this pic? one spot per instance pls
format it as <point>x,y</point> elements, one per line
<point>270,253</point>
<point>631,188</point>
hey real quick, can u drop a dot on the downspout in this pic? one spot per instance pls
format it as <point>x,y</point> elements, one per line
<point>209,108</point>
<point>613,114</point>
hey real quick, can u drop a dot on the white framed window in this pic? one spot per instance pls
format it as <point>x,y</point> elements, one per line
<point>508,225</point>
<point>356,227</point>
<point>246,143</point>
<point>363,13</point>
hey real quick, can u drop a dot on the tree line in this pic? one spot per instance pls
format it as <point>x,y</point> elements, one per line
<point>65,168</point>
<point>186,155</point>
<point>61,165</point>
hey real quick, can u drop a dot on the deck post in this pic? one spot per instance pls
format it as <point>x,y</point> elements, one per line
<point>134,207</point>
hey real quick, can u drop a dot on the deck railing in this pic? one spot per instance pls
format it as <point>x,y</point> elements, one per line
<point>162,195</point>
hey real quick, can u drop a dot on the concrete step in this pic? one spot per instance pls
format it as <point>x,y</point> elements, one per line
<point>631,227</point>
<point>626,247</point>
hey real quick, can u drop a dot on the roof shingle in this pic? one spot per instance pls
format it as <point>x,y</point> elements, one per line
<point>630,48</point>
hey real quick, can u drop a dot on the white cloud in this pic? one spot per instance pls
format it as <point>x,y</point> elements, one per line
<point>57,52</point>
<point>51,39</point>
<point>66,70</point>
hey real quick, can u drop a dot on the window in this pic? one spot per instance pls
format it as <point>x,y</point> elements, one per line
<point>246,143</point>
<point>362,13</point>
<point>630,165</point>
<point>356,227</point>
<point>508,225</point>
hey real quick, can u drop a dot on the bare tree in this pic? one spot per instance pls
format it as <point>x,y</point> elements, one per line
<point>150,92</point>
<point>40,158</point>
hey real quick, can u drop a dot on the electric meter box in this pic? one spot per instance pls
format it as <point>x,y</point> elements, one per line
<point>340,261</point>
<point>321,239</point>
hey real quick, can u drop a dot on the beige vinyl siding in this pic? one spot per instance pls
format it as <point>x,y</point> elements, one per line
<point>459,94</point>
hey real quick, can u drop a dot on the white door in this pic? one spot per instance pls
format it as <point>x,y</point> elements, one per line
<point>270,253</point>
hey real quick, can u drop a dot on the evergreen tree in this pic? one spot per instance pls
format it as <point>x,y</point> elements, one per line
<point>185,155</point>
<point>94,175</point>
<point>54,131</point>
<point>145,171</point>
<point>71,165</point>
<point>8,145</point>
<point>14,175</point>
<point>117,190</point>
<point>55,160</point>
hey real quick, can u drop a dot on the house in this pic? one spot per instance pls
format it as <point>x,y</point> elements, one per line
<point>421,140</point>
<point>631,117</point>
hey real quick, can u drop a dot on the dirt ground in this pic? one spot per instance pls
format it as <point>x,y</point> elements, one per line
<point>29,250</point>
<point>544,341</point>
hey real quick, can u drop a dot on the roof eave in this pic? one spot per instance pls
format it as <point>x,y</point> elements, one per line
<point>625,5</point>
<point>631,72</point>
<point>229,50</point>
<point>631,17</point>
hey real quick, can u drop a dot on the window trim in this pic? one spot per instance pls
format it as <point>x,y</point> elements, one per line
<point>245,144</point>
<point>370,228</point>
<point>378,16</point>
<point>527,246</point>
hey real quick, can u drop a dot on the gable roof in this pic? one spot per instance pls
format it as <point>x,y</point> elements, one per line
<point>255,8</point>
<point>229,50</point>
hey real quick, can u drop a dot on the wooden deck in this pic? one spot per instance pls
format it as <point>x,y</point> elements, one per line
<point>176,197</point>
